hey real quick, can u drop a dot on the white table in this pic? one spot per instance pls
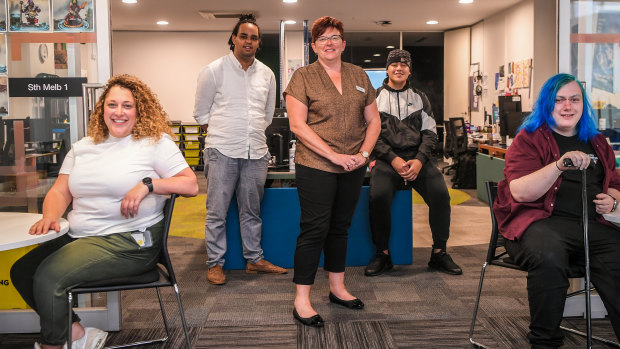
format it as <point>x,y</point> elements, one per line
<point>14,228</point>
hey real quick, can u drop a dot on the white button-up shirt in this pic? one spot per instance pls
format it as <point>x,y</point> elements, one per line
<point>237,105</point>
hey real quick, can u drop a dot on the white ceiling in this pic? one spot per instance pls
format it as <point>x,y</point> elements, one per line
<point>357,15</point>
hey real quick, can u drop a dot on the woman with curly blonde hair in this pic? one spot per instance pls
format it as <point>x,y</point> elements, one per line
<point>118,179</point>
<point>151,119</point>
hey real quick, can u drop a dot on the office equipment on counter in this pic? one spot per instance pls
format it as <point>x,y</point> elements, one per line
<point>278,138</point>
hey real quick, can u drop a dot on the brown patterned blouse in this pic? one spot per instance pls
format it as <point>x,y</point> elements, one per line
<point>337,119</point>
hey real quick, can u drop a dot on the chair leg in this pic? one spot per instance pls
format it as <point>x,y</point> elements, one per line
<point>473,320</point>
<point>70,303</point>
<point>163,313</point>
<point>176,291</point>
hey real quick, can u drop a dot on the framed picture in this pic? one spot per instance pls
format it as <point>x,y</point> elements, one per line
<point>60,55</point>
<point>4,96</point>
<point>73,15</point>
<point>3,15</point>
<point>29,15</point>
<point>3,53</point>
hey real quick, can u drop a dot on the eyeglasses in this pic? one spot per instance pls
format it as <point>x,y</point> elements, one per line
<point>334,38</point>
<point>572,100</point>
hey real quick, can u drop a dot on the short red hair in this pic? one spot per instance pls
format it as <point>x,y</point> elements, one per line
<point>321,25</point>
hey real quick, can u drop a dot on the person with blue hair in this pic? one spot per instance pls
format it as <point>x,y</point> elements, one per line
<point>538,206</point>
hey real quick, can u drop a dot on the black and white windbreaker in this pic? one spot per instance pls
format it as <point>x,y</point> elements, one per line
<point>408,129</point>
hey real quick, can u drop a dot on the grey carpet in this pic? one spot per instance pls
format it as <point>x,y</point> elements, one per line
<point>410,307</point>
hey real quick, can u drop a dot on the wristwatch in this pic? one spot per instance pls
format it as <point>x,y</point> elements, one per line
<point>149,183</point>
<point>364,154</point>
<point>613,208</point>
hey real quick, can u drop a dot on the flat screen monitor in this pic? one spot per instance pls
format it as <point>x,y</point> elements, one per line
<point>278,138</point>
<point>510,121</point>
<point>376,76</point>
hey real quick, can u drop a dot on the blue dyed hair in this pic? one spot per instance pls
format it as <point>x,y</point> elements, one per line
<point>541,115</point>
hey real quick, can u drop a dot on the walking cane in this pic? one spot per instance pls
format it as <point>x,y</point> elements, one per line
<point>586,247</point>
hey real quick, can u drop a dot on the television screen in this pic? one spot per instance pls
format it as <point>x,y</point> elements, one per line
<point>376,76</point>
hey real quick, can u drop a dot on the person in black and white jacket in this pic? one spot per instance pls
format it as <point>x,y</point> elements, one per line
<point>403,157</point>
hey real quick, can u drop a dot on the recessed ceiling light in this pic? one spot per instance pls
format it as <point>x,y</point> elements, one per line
<point>162,22</point>
<point>432,22</point>
<point>290,21</point>
<point>130,1</point>
<point>465,1</point>
<point>390,46</point>
<point>289,1</point>
<point>367,61</point>
<point>377,55</point>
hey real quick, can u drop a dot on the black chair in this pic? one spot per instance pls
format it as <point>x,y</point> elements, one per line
<point>456,141</point>
<point>448,148</point>
<point>497,255</point>
<point>160,276</point>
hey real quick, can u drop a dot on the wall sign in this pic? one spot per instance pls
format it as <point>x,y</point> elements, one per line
<point>46,87</point>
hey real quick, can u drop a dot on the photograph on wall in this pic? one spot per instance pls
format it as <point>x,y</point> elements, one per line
<point>603,59</point>
<point>60,55</point>
<point>3,15</point>
<point>29,15</point>
<point>73,15</point>
<point>4,96</point>
<point>3,53</point>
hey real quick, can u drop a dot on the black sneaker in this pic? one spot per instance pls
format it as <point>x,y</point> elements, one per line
<point>442,262</point>
<point>378,265</point>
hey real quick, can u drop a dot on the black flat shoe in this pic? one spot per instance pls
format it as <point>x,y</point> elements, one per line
<point>313,321</point>
<point>352,304</point>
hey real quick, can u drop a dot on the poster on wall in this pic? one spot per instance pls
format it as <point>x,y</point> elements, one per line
<point>4,96</point>
<point>60,55</point>
<point>603,59</point>
<point>73,15</point>
<point>3,53</point>
<point>3,15</point>
<point>29,15</point>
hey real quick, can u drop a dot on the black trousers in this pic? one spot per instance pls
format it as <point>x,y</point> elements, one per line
<point>327,201</point>
<point>429,184</point>
<point>547,249</point>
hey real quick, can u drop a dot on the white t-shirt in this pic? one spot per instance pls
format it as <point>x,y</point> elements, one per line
<point>100,175</point>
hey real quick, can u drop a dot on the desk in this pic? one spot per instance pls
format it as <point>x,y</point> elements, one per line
<point>15,230</point>
<point>492,150</point>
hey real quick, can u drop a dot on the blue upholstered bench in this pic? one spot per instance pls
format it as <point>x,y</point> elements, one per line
<point>280,213</point>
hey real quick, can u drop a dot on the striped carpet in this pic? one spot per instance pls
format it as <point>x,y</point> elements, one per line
<point>409,307</point>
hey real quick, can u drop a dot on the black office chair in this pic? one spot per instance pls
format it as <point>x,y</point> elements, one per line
<point>497,255</point>
<point>160,276</point>
<point>448,149</point>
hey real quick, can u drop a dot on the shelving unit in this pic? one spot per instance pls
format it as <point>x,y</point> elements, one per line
<point>186,137</point>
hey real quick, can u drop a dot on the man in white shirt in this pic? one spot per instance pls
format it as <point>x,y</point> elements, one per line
<point>235,100</point>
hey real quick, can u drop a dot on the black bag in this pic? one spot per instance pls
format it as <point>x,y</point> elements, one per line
<point>465,177</point>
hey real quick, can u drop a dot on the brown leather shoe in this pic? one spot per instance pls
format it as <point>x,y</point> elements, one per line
<point>216,275</point>
<point>263,267</point>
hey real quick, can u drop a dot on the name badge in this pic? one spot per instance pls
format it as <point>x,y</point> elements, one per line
<point>361,89</point>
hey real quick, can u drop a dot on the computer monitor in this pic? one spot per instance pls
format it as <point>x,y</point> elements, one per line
<point>509,123</point>
<point>278,138</point>
<point>376,76</point>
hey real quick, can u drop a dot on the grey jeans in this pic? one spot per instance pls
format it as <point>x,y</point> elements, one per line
<point>44,274</point>
<point>225,177</point>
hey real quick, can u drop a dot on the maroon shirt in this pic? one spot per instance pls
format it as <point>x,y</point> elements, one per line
<point>528,153</point>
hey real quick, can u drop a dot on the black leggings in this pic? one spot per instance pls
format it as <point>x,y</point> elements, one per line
<point>429,184</point>
<point>327,201</point>
<point>546,250</point>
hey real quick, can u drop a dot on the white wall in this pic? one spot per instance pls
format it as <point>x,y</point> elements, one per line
<point>168,62</point>
<point>526,30</point>
<point>456,72</point>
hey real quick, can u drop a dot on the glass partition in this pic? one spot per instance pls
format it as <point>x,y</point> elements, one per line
<point>594,58</point>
